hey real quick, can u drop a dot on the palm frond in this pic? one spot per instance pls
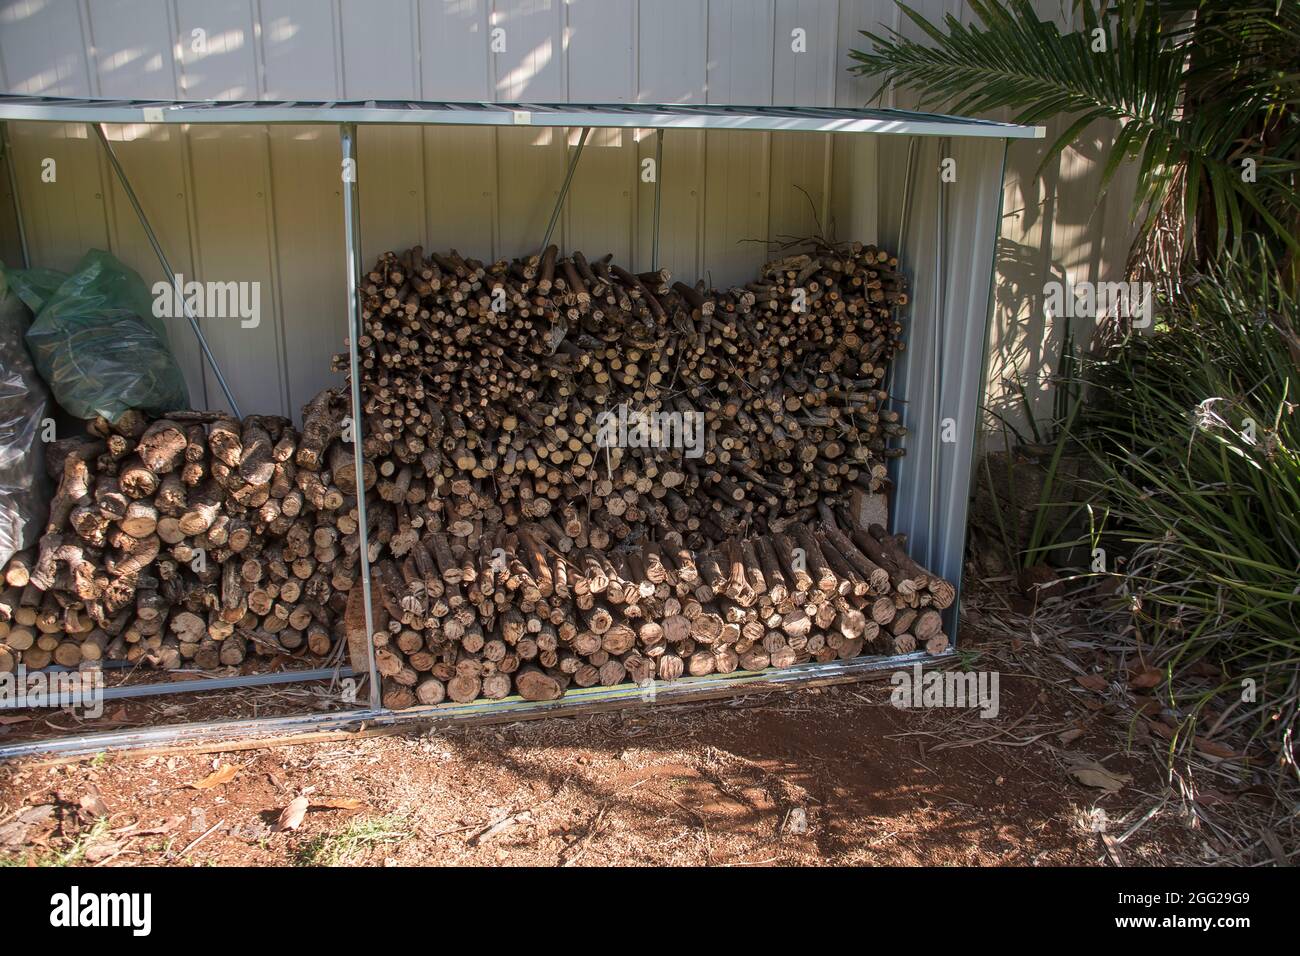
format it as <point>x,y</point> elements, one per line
<point>1196,88</point>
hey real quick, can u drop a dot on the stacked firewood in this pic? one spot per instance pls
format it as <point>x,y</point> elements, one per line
<point>488,386</point>
<point>193,540</point>
<point>515,549</point>
<point>526,611</point>
<point>519,550</point>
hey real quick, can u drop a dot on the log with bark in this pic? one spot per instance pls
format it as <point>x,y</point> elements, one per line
<point>187,540</point>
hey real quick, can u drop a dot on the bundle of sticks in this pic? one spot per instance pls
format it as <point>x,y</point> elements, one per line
<point>526,611</point>
<point>496,386</point>
<point>193,539</point>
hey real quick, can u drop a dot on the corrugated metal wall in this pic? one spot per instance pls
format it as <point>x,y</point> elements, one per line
<point>263,204</point>
<point>938,374</point>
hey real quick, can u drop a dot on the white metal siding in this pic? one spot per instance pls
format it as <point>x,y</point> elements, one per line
<point>264,204</point>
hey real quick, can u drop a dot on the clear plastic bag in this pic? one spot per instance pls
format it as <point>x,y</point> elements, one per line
<point>24,405</point>
<point>96,341</point>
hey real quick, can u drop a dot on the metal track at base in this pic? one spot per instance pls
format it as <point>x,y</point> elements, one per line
<point>281,730</point>
<point>199,685</point>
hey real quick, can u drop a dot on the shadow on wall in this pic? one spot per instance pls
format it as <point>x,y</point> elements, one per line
<point>1058,227</point>
<point>1025,347</point>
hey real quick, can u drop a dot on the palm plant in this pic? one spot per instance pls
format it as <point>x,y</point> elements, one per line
<point>1205,93</point>
<point>1196,436</point>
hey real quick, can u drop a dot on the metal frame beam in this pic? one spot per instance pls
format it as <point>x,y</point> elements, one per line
<point>659,167</point>
<point>807,119</point>
<point>198,686</point>
<point>579,701</point>
<point>564,189</point>
<point>352,256</point>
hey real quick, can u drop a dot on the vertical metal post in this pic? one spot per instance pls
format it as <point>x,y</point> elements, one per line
<point>936,388</point>
<point>953,613</point>
<point>905,213</point>
<point>564,190</point>
<point>659,167</point>
<point>13,189</point>
<point>171,276</point>
<point>904,217</point>
<point>352,254</point>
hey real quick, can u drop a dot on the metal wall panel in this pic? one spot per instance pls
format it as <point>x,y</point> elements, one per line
<point>530,163</point>
<point>672,51</point>
<point>945,325</point>
<point>300,48</point>
<point>737,165</point>
<point>672,67</point>
<point>380,60</point>
<point>490,192</point>
<point>600,49</point>
<point>44,49</point>
<point>604,200</point>
<point>804,73</point>
<point>306,181</point>
<point>127,37</point>
<point>459,164</point>
<point>232,209</point>
<point>300,54</point>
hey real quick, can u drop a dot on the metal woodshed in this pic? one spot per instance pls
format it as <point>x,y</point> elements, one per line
<point>928,186</point>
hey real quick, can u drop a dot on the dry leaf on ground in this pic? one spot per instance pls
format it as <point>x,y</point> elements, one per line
<point>1095,775</point>
<point>223,774</point>
<point>93,805</point>
<point>167,826</point>
<point>1147,677</point>
<point>291,817</point>
<point>1213,748</point>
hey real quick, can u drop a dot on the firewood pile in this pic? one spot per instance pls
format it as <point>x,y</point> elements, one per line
<point>574,476</point>
<point>490,386</point>
<point>194,540</point>
<point>526,611</point>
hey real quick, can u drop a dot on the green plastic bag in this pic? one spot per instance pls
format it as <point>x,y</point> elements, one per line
<point>24,405</point>
<point>96,341</point>
<point>34,286</point>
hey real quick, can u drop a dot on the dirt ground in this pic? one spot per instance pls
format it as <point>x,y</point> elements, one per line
<point>832,776</point>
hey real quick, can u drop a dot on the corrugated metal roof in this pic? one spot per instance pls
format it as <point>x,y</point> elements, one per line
<point>814,119</point>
